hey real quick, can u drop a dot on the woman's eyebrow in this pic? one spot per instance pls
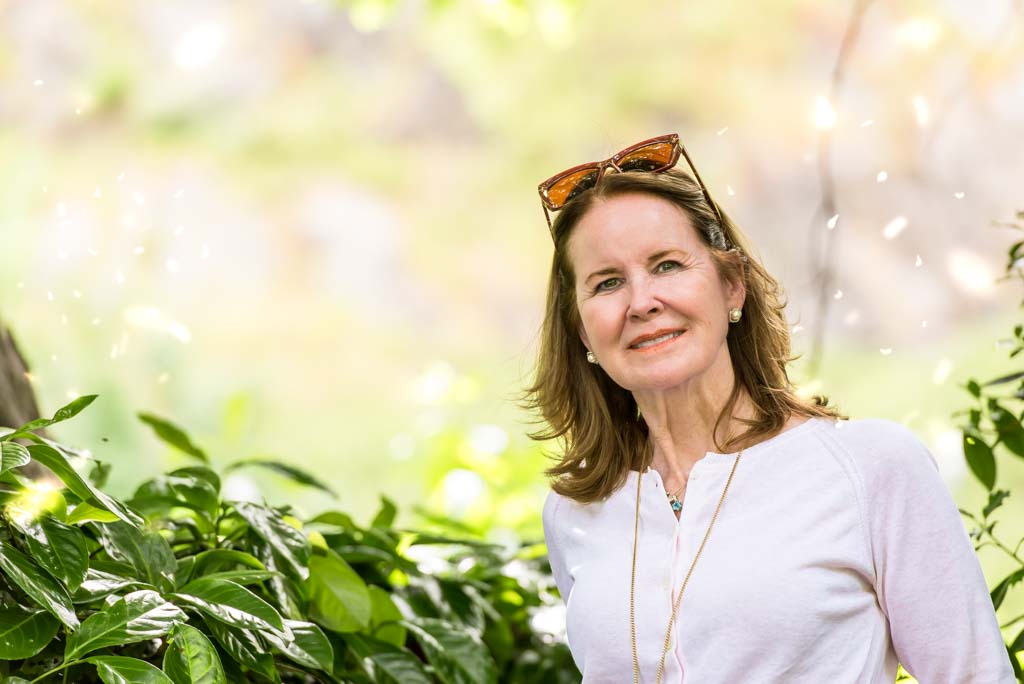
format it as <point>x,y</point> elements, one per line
<point>654,257</point>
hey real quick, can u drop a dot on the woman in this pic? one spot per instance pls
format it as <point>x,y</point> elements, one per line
<point>810,548</point>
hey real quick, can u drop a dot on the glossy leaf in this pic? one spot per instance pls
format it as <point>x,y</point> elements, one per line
<point>62,468</point>
<point>458,656</point>
<point>173,435</point>
<point>24,633</point>
<point>12,455</point>
<point>200,472</point>
<point>123,670</point>
<point>288,543</point>
<point>980,459</point>
<point>34,581</point>
<point>230,603</point>
<point>191,658</point>
<point>64,413</point>
<point>387,664</point>
<point>213,560</point>
<point>1009,428</point>
<point>160,493</point>
<point>140,615</point>
<point>99,583</point>
<point>384,611</point>
<point>999,593</point>
<point>308,646</point>
<point>59,548</point>
<point>243,577</point>
<point>386,515</point>
<point>244,647</point>
<point>339,599</point>
<point>86,512</point>
<point>147,552</point>
<point>291,472</point>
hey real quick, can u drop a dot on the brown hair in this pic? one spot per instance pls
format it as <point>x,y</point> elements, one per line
<point>596,418</point>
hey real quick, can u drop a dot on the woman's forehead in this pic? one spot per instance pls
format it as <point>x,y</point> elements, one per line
<point>631,225</point>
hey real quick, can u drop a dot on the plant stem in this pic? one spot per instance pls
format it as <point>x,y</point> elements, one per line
<point>62,666</point>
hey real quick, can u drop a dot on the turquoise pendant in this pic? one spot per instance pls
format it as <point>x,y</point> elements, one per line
<point>677,505</point>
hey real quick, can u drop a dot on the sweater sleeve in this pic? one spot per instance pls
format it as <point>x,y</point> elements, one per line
<point>928,579</point>
<point>556,549</point>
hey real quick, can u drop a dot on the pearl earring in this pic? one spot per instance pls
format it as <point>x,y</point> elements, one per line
<point>591,358</point>
<point>735,314</point>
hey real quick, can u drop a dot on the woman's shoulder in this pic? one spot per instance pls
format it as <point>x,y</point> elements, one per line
<point>879,449</point>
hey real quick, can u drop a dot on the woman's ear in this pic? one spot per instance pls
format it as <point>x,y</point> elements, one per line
<point>584,339</point>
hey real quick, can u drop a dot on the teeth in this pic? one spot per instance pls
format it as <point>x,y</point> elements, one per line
<point>656,340</point>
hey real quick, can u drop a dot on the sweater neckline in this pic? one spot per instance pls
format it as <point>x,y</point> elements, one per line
<point>716,459</point>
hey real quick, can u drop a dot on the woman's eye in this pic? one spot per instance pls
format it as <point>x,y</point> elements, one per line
<point>671,264</point>
<point>601,285</point>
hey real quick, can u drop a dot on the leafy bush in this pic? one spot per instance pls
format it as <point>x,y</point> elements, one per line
<point>178,585</point>
<point>994,424</point>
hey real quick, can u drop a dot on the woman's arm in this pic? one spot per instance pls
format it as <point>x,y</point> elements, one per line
<point>556,549</point>
<point>927,576</point>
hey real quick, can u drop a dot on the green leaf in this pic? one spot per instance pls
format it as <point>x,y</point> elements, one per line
<point>35,582</point>
<point>86,512</point>
<point>1011,432</point>
<point>386,515</point>
<point>64,413</point>
<point>147,552</point>
<point>190,658</point>
<point>308,646</point>
<point>243,577</point>
<point>98,584</point>
<point>995,500</point>
<point>208,562</point>
<point>385,611</point>
<point>173,435</point>
<point>458,656</point>
<point>200,472</point>
<point>14,680</point>
<point>140,615</point>
<point>99,474</point>
<point>244,647</point>
<point>123,670</point>
<point>974,388</point>
<point>62,468</point>
<point>24,633</point>
<point>980,459</point>
<point>59,548</point>
<point>337,519</point>
<point>230,603</point>
<point>12,455</point>
<point>386,663</point>
<point>177,490</point>
<point>339,599</point>
<point>292,472</point>
<point>999,592</point>
<point>288,543</point>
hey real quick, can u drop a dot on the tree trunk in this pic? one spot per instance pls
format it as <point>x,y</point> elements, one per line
<point>17,398</point>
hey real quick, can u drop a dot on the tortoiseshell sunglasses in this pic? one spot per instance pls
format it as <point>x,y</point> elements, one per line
<point>653,156</point>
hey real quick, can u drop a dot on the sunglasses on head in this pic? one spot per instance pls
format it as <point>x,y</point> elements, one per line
<point>652,156</point>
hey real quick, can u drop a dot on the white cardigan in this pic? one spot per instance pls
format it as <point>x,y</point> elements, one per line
<point>838,552</point>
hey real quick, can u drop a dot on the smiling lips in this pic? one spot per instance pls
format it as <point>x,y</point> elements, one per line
<point>657,340</point>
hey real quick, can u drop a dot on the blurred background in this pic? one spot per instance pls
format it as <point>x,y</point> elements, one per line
<point>310,230</point>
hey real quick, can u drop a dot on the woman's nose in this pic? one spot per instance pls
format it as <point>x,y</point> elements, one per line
<point>643,298</point>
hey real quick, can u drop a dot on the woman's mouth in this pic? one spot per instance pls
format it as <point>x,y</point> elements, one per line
<point>657,342</point>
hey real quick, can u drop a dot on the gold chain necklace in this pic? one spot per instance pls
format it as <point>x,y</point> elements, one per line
<point>675,606</point>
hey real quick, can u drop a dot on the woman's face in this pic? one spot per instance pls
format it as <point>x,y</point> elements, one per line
<point>641,270</point>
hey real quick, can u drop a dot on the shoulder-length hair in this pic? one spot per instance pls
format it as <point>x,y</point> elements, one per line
<point>598,421</point>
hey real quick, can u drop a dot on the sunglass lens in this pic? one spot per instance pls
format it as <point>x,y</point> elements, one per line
<point>653,157</point>
<point>567,187</point>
